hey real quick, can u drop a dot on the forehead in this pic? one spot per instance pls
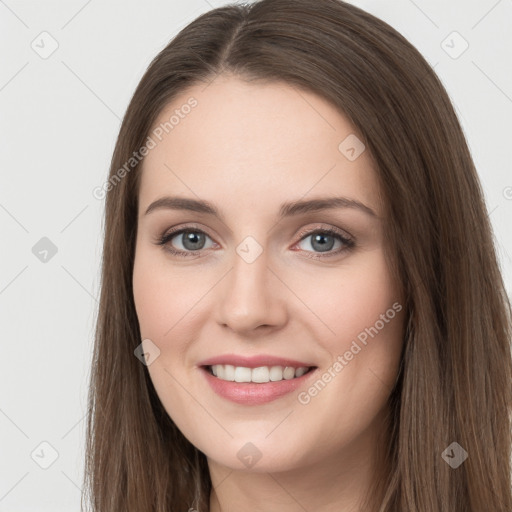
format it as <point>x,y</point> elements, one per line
<point>243,142</point>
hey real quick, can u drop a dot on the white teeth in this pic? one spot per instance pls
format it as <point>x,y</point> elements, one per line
<point>289,372</point>
<point>228,373</point>
<point>276,373</point>
<point>300,371</point>
<point>242,374</point>
<point>261,374</point>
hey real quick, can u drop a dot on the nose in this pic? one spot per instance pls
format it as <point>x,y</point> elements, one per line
<point>251,297</point>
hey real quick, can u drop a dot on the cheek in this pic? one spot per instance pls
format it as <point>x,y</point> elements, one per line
<point>351,299</point>
<point>167,302</point>
<point>161,297</point>
<point>151,299</point>
<point>365,316</point>
<point>361,329</point>
<point>162,301</point>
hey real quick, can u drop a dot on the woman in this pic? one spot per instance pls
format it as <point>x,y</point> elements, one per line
<point>301,305</point>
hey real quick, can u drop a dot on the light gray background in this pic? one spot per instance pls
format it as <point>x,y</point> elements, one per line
<point>59,120</point>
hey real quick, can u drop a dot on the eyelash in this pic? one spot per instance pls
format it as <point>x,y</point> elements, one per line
<point>165,238</point>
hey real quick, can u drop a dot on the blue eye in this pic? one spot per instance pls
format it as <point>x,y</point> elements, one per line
<point>191,239</point>
<point>323,240</point>
<point>193,242</point>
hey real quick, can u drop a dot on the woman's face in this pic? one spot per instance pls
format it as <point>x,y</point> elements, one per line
<point>262,277</point>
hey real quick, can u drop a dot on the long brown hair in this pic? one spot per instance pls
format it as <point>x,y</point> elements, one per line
<point>455,383</point>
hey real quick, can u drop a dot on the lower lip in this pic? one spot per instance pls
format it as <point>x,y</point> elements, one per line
<point>250,393</point>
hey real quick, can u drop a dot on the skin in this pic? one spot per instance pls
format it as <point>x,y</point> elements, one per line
<point>247,148</point>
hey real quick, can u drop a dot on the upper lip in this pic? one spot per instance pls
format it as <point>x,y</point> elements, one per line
<point>253,361</point>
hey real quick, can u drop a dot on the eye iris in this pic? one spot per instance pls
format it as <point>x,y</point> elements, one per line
<point>323,245</point>
<point>192,238</point>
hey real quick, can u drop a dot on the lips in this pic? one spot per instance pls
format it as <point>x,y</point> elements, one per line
<point>250,392</point>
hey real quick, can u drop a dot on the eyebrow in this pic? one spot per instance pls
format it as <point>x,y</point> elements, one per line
<point>286,210</point>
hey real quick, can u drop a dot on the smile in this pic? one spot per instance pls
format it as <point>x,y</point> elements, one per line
<point>258,385</point>
<point>262,374</point>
